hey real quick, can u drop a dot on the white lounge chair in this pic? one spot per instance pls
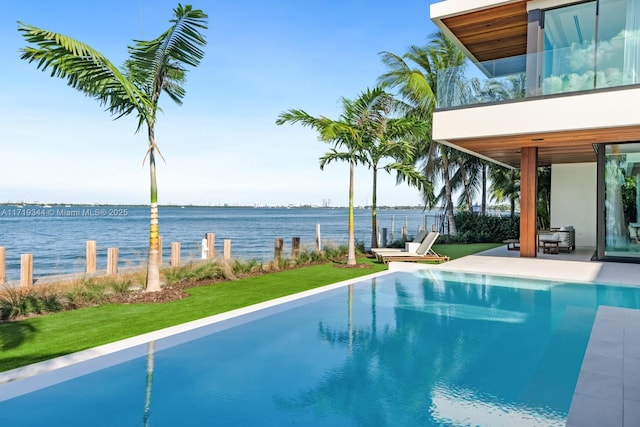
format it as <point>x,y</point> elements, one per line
<point>422,234</point>
<point>423,253</point>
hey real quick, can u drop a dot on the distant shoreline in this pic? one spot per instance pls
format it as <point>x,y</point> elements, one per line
<point>71,205</point>
<point>225,206</point>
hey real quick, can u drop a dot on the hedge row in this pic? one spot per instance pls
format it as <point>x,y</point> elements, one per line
<point>475,228</point>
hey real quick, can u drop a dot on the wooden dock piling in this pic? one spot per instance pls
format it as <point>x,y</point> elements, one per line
<point>112,261</point>
<point>295,247</point>
<point>226,254</point>
<point>26,269</point>
<point>90,250</point>
<point>3,265</point>
<point>175,254</point>
<point>277,251</point>
<point>211,240</point>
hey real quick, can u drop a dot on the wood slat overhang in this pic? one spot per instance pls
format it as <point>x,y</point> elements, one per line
<point>553,147</point>
<point>494,33</point>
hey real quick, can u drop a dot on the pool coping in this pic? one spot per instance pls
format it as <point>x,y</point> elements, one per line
<point>607,392</point>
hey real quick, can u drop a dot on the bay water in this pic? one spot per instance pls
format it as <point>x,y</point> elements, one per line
<point>56,235</point>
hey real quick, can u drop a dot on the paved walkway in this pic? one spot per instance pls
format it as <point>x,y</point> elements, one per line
<point>573,267</point>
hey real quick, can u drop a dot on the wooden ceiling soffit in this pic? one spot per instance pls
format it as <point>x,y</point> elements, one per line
<point>554,147</point>
<point>494,33</point>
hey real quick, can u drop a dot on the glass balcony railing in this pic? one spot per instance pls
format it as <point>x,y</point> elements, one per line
<point>589,66</point>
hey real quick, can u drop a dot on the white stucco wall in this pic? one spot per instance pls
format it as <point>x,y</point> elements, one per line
<point>555,114</point>
<point>573,200</point>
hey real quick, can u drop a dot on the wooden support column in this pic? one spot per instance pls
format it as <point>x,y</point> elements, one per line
<point>226,249</point>
<point>528,202</point>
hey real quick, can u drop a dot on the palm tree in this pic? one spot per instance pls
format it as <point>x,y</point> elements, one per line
<point>349,132</point>
<point>468,177</point>
<point>389,138</point>
<point>154,67</point>
<point>505,186</point>
<point>544,197</point>
<point>419,75</point>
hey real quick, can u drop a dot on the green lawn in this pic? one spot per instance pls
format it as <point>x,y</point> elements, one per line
<point>33,340</point>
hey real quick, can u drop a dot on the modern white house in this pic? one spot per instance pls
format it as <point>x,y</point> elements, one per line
<point>573,73</point>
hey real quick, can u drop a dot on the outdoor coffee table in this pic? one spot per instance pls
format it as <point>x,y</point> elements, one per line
<point>550,246</point>
<point>512,244</point>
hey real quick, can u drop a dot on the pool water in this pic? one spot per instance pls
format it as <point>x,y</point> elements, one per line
<point>401,349</point>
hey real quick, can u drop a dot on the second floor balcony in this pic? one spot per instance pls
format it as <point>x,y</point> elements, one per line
<point>586,66</point>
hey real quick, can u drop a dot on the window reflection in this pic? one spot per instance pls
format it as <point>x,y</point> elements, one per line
<point>622,198</point>
<point>584,50</point>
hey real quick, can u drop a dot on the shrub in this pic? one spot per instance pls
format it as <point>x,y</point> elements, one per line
<point>474,228</point>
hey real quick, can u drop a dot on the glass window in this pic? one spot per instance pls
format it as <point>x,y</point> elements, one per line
<point>569,48</point>
<point>591,45</point>
<point>621,200</point>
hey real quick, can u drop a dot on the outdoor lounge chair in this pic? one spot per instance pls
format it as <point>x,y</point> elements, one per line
<point>422,234</point>
<point>423,253</point>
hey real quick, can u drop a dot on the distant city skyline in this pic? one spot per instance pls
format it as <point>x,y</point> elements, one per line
<point>222,145</point>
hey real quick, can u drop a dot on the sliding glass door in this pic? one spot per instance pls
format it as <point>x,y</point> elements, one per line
<point>621,200</point>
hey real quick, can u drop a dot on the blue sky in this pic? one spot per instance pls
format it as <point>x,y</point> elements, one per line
<point>222,145</point>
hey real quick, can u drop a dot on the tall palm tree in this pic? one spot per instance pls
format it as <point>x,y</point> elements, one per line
<point>389,138</point>
<point>154,66</point>
<point>419,75</point>
<point>349,133</point>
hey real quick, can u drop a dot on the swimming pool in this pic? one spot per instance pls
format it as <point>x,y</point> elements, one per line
<point>400,349</point>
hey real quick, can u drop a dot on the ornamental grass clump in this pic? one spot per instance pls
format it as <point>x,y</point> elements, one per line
<point>23,302</point>
<point>194,273</point>
<point>240,268</point>
<point>86,292</point>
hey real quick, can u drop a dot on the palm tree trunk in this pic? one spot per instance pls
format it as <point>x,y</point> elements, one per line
<point>467,188</point>
<point>153,268</point>
<point>374,211</point>
<point>351,248</point>
<point>447,194</point>
<point>484,189</point>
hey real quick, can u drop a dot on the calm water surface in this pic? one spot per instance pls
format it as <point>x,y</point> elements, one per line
<point>56,236</point>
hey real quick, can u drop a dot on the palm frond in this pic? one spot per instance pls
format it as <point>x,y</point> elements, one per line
<point>84,69</point>
<point>158,64</point>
